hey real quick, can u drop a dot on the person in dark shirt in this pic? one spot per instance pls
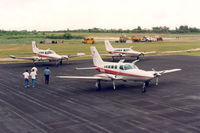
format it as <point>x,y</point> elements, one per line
<point>47,73</point>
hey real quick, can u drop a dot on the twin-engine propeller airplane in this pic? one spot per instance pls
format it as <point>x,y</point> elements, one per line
<point>46,55</point>
<point>123,52</point>
<point>113,71</point>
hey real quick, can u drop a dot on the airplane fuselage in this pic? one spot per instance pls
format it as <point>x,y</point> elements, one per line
<point>125,52</point>
<point>48,55</point>
<point>127,71</point>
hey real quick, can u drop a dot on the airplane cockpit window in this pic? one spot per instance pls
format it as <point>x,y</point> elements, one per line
<point>48,52</point>
<point>135,67</point>
<point>125,50</point>
<point>127,67</point>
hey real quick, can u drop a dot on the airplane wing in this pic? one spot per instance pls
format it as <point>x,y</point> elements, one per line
<point>95,77</point>
<point>23,58</point>
<point>151,52</point>
<point>34,58</point>
<point>159,73</point>
<point>87,68</point>
<point>111,55</point>
<point>169,71</point>
<point>78,55</point>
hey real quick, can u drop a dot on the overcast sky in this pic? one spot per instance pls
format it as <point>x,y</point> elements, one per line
<point>84,14</point>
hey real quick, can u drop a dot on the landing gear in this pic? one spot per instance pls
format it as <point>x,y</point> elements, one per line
<point>156,81</point>
<point>98,84</point>
<point>145,84</point>
<point>61,62</point>
<point>138,57</point>
<point>113,58</point>
<point>113,81</point>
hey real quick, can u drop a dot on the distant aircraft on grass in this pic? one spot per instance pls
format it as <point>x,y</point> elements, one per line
<point>113,71</point>
<point>46,55</point>
<point>123,52</point>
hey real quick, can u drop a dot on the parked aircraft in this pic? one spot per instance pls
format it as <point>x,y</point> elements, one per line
<point>46,55</point>
<point>113,71</point>
<point>123,52</point>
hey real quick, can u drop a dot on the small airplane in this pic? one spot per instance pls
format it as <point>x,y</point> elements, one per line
<point>123,52</point>
<point>113,71</point>
<point>46,55</point>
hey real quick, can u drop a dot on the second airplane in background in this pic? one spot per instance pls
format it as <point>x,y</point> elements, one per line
<point>123,52</point>
<point>46,55</point>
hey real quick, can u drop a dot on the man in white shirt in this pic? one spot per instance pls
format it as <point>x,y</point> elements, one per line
<point>26,78</point>
<point>33,77</point>
<point>35,69</point>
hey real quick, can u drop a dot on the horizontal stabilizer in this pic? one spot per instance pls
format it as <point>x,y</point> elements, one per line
<point>12,56</point>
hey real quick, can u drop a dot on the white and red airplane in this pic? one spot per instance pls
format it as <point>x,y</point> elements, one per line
<point>113,71</point>
<point>46,55</point>
<point>123,52</point>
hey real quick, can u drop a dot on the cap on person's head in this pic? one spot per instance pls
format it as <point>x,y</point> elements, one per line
<point>26,70</point>
<point>47,67</point>
<point>33,70</point>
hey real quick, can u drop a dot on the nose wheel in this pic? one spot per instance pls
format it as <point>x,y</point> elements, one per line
<point>145,84</point>
<point>98,84</point>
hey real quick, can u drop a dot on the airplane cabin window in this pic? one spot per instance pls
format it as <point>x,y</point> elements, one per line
<point>115,66</point>
<point>121,67</point>
<point>112,67</point>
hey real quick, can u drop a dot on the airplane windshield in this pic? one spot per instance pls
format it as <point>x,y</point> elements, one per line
<point>127,67</point>
<point>125,50</point>
<point>48,52</point>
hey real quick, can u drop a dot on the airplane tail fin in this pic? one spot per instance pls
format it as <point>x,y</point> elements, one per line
<point>97,60</point>
<point>108,46</point>
<point>34,47</point>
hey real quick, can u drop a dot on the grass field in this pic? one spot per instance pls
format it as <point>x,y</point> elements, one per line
<point>22,47</point>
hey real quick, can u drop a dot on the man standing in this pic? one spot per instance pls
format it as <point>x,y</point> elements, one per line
<point>33,77</point>
<point>35,69</point>
<point>47,73</point>
<point>26,78</point>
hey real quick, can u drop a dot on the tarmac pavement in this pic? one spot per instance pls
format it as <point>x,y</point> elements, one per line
<point>75,106</point>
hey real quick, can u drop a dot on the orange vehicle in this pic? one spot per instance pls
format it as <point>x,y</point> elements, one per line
<point>136,38</point>
<point>123,39</point>
<point>89,40</point>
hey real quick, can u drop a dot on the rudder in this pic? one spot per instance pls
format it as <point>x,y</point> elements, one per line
<point>97,60</point>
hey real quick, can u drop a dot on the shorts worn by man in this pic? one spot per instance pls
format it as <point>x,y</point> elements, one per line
<point>47,73</point>
<point>26,78</point>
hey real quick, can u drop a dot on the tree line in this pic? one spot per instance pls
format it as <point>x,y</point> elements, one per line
<point>161,29</point>
<point>66,33</point>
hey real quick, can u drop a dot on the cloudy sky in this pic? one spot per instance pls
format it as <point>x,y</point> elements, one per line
<point>77,14</point>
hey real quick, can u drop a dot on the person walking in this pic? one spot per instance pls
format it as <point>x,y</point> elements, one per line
<point>33,77</point>
<point>47,73</point>
<point>26,78</point>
